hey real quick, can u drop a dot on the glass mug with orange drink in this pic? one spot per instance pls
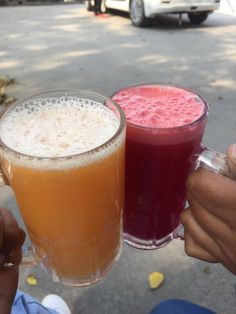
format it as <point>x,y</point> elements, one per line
<point>63,155</point>
<point>165,126</point>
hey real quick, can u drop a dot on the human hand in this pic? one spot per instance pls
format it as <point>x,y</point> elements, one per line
<point>210,219</point>
<point>11,240</point>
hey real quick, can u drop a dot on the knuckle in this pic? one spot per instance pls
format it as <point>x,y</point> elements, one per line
<point>232,256</point>
<point>189,251</point>
<point>232,269</point>
<point>184,216</point>
<point>191,181</point>
<point>195,179</point>
<point>231,159</point>
<point>229,259</point>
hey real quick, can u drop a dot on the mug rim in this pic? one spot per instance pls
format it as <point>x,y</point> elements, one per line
<point>166,129</point>
<point>122,122</point>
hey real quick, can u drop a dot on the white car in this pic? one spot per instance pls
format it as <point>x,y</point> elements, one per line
<point>142,11</point>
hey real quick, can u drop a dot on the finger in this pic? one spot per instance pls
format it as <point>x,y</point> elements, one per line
<point>16,254</point>
<point>11,232</point>
<point>215,193</point>
<point>194,250</point>
<point>202,239</point>
<point>214,226</point>
<point>218,230</point>
<point>11,237</point>
<point>199,236</point>
<point>231,158</point>
<point>1,230</point>
<point>8,286</point>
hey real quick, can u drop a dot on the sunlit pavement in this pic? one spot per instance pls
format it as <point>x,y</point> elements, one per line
<point>63,46</point>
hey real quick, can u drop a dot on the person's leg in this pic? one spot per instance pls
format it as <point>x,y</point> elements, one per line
<point>97,6</point>
<point>179,307</point>
<point>25,304</point>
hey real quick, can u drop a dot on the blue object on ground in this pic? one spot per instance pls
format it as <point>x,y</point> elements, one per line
<point>179,307</point>
<point>25,304</point>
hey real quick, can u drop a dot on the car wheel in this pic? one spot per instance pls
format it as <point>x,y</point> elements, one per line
<point>88,5</point>
<point>197,17</point>
<point>137,14</point>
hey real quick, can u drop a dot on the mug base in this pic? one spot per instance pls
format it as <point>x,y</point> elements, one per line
<point>151,244</point>
<point>87,281</point>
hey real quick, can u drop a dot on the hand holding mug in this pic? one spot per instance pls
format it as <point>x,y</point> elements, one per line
<point>11,240</point>
<point>210,219</point>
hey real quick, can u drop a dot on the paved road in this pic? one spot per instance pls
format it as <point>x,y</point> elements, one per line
<point>63,46</point>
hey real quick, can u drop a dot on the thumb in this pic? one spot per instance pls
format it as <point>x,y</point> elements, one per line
<point>8,286</point>
<point>231,159</point>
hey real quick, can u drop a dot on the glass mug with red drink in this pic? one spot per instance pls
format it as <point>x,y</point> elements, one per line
<point>165,126</point>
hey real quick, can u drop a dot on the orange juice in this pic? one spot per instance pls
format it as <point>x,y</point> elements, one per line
<point>71,203</point>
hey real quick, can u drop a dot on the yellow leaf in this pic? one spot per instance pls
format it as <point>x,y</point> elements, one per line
<point>32,280</point>
<point>155,280</point>
<point>9,100</point>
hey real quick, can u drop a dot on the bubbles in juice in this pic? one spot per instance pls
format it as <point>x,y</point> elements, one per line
<point>56,127</point>
<point>160,107</point>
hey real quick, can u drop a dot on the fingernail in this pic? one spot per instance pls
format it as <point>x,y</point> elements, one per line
<point>233,151</point>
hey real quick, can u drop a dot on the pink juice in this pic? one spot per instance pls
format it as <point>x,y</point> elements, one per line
<point>165,126</point>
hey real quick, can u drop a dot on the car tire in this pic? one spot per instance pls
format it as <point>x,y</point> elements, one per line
<point>137,14</point>
<point>88,5</point>
<point>197,17</point>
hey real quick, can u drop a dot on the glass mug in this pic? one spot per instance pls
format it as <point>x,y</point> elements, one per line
<point>70,198</point>
<point>165,126</point>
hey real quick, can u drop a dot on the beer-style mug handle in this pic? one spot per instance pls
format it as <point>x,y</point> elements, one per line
<point>27,251</point>
<point>214,161</point>
<point>209,160</point>
<point>27,258</point>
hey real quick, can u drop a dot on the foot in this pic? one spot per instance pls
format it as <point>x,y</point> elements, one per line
<point>56,303</point>
<point>103,15</point>
<point>97,13</point>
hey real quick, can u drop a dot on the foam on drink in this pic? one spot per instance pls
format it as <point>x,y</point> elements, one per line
<point>58,127</point>
<point>160,107</point>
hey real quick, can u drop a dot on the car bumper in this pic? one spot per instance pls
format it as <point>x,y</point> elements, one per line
<point>154,7</point>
